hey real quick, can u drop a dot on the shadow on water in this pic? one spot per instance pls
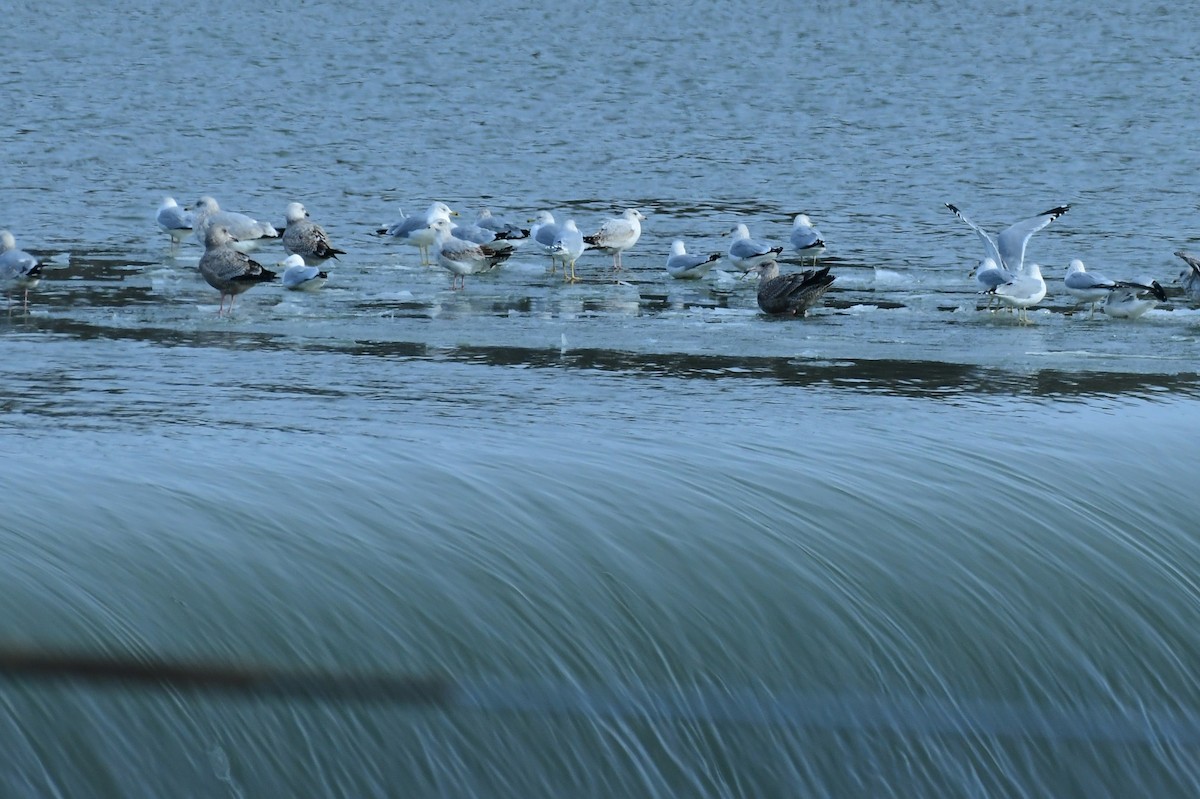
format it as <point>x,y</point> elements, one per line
<point>897,377</point>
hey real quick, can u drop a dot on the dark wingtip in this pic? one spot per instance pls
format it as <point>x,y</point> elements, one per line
<point>1158,291</point>
<point>381,231</point>
<point>1056,212</point>
<point>777,250</point>
<point>952,208</point>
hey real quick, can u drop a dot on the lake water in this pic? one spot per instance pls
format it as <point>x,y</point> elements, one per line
<point>655,543</point>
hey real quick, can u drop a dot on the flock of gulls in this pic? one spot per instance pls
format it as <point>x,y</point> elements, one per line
<point>468,249</point>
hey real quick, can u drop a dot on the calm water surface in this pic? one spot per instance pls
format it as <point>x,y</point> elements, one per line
<point>657,544</point>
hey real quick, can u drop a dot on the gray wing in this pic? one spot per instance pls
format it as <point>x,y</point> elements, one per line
<point>803,238</point>
<point>1013,240</point>
<point>297,275</point>
<point>242,226</point>
<point>406,227</point>
<point>993,277</point>
<point>1190,260</point>
<point>16,264</point>
<point>175,218</point>
<point>476,234</point>
<point>1082,281</point>
<point>747,248</point>
<point>682,263</point>
<point>989,247</point>
<point>547,234</point>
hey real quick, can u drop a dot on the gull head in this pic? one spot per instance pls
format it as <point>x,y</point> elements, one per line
<point>216,235</point>
<point>677,247</point>
<point>7,242</point>
<point>739,231</point>
<point>291,260</point>
<point>1075,266</point>
<point>295,212</point>
<point>206,205</point>
<point>441,226</point>
<point>984,265</point>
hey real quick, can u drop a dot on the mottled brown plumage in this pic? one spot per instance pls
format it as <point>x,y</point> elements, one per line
<point>793,294</point>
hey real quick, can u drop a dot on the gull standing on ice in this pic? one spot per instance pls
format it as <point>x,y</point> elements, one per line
<point>229,270</point>
<point>462,258</point>
<point>1190,278</point>
<point>682,266</point>
<point>568,247</point>
<point>617,235</point>
<point>790,295</point>
<point>306,238</point>
<point>988,274</point>
<point>1023,291</point>
<point>544,232</point>
<point>246,232</point>
<point>747,254</point>
<point>417,230</point>
<point>806,239</point>
<point>297,276</point>
<point>175,219</point>
<point>1094,288</point>
<point>17,268</point>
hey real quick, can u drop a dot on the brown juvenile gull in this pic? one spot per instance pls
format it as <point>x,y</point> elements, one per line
<point>306,238</point>
<point>17,267</point>
<point>462,258</point>
<point>617,235</point>
<point>228,270</point>
<point>246,231</point>
<point>793,294</point>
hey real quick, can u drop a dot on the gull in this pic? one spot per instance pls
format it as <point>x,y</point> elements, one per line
<point>617,235</point>
<point>17,268</point>
<point>306,238</point>
<point>417,230</point>
<point>1094,288</point>
<point>505,231</point>
<point>462,258</point>
<point>544,231</point>
<point>298,276</point>
<point>568,247</point>
<point>682,266</point>
<point>175,219</point>
<point>806,239</point>
<point>1008,250</point>
<point>1190,277</point>
<point>747,254</point>
<point>989,274</point>
<point>477,234</point>
<point>1022,292</point>
<point>1128,302</point>
<point>790,295</point>
<point>246,232</point>
<point>227,269</point>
